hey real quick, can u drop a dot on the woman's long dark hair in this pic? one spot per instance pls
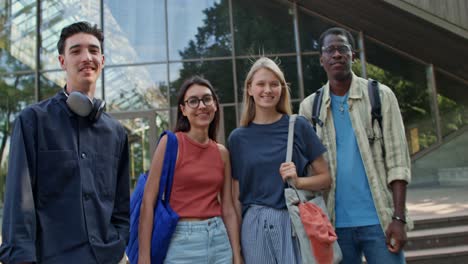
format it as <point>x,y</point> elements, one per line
<point>182,123</point>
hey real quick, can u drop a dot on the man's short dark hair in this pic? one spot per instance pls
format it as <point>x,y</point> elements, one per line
<point>336,31</point>
<point>78,27</point>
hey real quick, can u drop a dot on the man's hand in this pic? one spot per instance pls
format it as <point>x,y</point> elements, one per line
<point>396,232</point>
<point>396,236</point>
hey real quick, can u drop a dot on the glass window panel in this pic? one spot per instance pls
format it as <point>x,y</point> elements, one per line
<point>134,32</point>
<point>139,140</point>
<point>452,98</point>
<point>17,36</point>
<point>229,121</point>
<point>408,81</point>
<point>313,74</point>
<point>310,29</point>
<point>265,27</point>
<point>50,83</point>
<point>287,64</point>
<point>243,66</point>
<point>446,165</point>
<point>16,92</point>
<point>136,87</point>
<point>219,73</point>
<point>198,29</point>
<point>289,67</point>
<point>57,15</point>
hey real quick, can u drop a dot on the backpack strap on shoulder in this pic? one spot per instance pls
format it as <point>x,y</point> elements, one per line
<point>374,96</point>
<point>316,105</point>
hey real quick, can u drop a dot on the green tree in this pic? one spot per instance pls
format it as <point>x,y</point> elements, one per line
<point>212,39</point>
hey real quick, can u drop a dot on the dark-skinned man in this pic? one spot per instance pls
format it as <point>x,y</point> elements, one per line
<point>369,164</point>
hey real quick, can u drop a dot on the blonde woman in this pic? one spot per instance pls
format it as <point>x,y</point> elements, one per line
<point>258,151</point>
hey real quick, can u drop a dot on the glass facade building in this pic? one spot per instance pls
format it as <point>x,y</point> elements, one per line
<point>151,46</point>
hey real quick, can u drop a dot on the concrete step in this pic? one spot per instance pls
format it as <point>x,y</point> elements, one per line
<point>449,255</point>
<point>437,237</point>
<point>439,222</point>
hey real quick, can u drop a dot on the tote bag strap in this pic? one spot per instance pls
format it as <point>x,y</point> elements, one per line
<point>167,173</point>
<point>292,121</point>
<point>289,149</point>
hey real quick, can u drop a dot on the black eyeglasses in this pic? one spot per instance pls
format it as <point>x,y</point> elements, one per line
<point>194,102</point>
<point>342,49</point>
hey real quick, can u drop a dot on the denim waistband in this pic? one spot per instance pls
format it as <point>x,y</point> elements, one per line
<point>206,224</point>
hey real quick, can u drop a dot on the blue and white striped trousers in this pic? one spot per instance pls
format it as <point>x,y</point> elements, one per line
<point>266,237</point>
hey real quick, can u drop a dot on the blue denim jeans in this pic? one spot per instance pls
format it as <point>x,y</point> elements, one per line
<point>367,240</point>
<point>200,242</point>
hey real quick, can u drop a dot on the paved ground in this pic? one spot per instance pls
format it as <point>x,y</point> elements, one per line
<point>426,202</point>
<point>432,202</point>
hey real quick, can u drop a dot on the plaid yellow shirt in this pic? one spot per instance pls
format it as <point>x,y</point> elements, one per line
<point>380,170</point>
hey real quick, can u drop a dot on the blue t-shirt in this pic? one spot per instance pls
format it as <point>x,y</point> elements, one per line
<point>354,205</point>
<point>257,152</point>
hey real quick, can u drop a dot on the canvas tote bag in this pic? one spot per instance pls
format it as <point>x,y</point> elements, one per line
<point>309,217</point>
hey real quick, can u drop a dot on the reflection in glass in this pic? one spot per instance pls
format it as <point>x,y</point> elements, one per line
<point>408,81</point>
<point>17,35</point>
<point>136,87</point>
<point>198,28</point>
<point>452,98</point>
<point>16,92</point>
<point>50,83</point>
<point>134,32</point>
<point>313,74</point>
<point>263,28</point>
<point>229,121</point>
<point>219,73</point>
<point>310,29</point>
<point>139,142</point>
<point>57,15</point>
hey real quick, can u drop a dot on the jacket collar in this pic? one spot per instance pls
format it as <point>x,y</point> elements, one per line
<point>354,91</point>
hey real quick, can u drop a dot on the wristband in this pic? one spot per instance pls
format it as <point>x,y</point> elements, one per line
<point>399,219</point>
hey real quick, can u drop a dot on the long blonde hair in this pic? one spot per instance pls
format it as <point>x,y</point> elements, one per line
<point>284,104</point>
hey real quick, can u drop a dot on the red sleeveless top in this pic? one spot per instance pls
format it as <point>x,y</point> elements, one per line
<point>198,178</point>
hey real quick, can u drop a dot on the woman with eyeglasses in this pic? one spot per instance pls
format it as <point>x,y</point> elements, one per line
<point>208,230</point>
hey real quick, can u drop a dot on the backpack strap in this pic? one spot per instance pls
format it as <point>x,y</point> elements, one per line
<point>374,96</point>
<point>376,111</point>
<point>316,105</point>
